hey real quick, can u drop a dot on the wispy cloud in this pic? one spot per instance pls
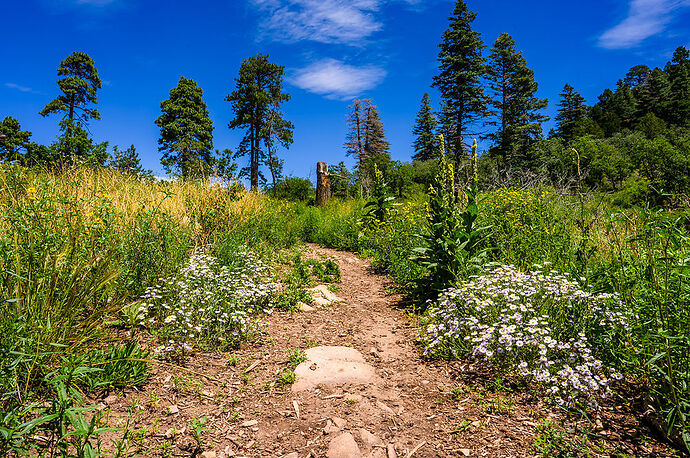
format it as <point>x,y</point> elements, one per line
<point>645,18</point>
<point>337,80</point>
<point>20,88</point>
<point>324,21</point>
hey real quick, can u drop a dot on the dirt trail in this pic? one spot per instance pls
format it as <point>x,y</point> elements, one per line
<point>409,409</point>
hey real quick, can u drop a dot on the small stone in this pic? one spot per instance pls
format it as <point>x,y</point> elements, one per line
<point>249,423</point>
<point>173,409</point>
<point>330,428</point>
<point>343,446</point>
<point>208,455</point>
<point>110,399</point>
<point>385,408</point>
<point>322,302</point>
<point>370,439</point>
<point>391,451</point>
<point>302,307</point>
<point>339,422</point>
<point>465,451</point>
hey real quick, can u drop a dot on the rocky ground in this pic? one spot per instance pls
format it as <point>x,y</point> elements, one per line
<point>363,391</point>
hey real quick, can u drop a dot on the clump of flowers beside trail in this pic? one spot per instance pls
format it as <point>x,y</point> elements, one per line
<point>540,325</point>
<point>209,303</point>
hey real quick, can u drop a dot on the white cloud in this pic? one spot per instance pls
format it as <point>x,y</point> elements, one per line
<point>337,80</point>
<point>324,21</point>
<point>645,18</point>
<point>19,88</point>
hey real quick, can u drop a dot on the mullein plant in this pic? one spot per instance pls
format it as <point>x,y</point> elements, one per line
<point>451,242</point>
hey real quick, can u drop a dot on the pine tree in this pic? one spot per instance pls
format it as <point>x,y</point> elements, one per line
<point>655,95</point>
<point>624,104</point>
<point>341,180</point>
<point>354,141</point>
<point>571,113</point>
<point>366,140</point>
<point>679,75</point>
<point>186,139</point>
<point>79,86</point>
<point>516,108</point>
<point>276,130</point>
<point>13,140</point>
<point>375,144</point>
<point>127,162</point>
<point>256,103</point>
<point>425,144</point>
<point>461,67</point>
<point>604,113</point>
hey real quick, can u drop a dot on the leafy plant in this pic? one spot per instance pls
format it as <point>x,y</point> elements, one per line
<point>285,377</point>
<point>450,247</point>
<point>378,208</point>
<point>297,357</point>
<point>118,366</point>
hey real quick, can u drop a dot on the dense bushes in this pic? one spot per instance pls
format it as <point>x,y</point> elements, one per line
<point>633,166</point>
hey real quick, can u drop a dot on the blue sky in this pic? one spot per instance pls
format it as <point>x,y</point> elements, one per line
<point>333,50</point>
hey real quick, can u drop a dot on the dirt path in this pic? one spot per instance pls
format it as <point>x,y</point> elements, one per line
<point>414,408</point>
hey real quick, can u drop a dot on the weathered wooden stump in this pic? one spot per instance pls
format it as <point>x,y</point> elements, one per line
<point>323,183</point>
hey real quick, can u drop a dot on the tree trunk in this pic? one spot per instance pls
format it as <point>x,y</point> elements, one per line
<point>254,166</point>
<point>323,184</point>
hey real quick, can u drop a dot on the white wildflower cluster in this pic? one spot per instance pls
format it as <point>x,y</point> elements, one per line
<point>540,324</point>
<point>209,302</point>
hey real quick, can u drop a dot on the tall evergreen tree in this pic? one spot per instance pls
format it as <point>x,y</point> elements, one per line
<point>186,139</point>
<point>637,76</point>
<point>516,108</point>
<point>255,101</point>
<point>425,145</point>
<point>572,111</point>
<point>605,114</point>
<point>461,67</point>
<point>375,144</point>
<point>14,142</point>
<point>354,140</point>
<point>654,96</point>
<point>79,85</point>
<point>276,130</point>
<point>625,104</point>
<point>366,139</point>
<point>679,75</point>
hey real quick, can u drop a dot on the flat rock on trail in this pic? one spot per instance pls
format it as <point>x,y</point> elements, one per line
<point>395,404</point>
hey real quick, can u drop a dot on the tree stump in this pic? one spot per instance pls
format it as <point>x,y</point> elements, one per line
<point>323,183</point>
